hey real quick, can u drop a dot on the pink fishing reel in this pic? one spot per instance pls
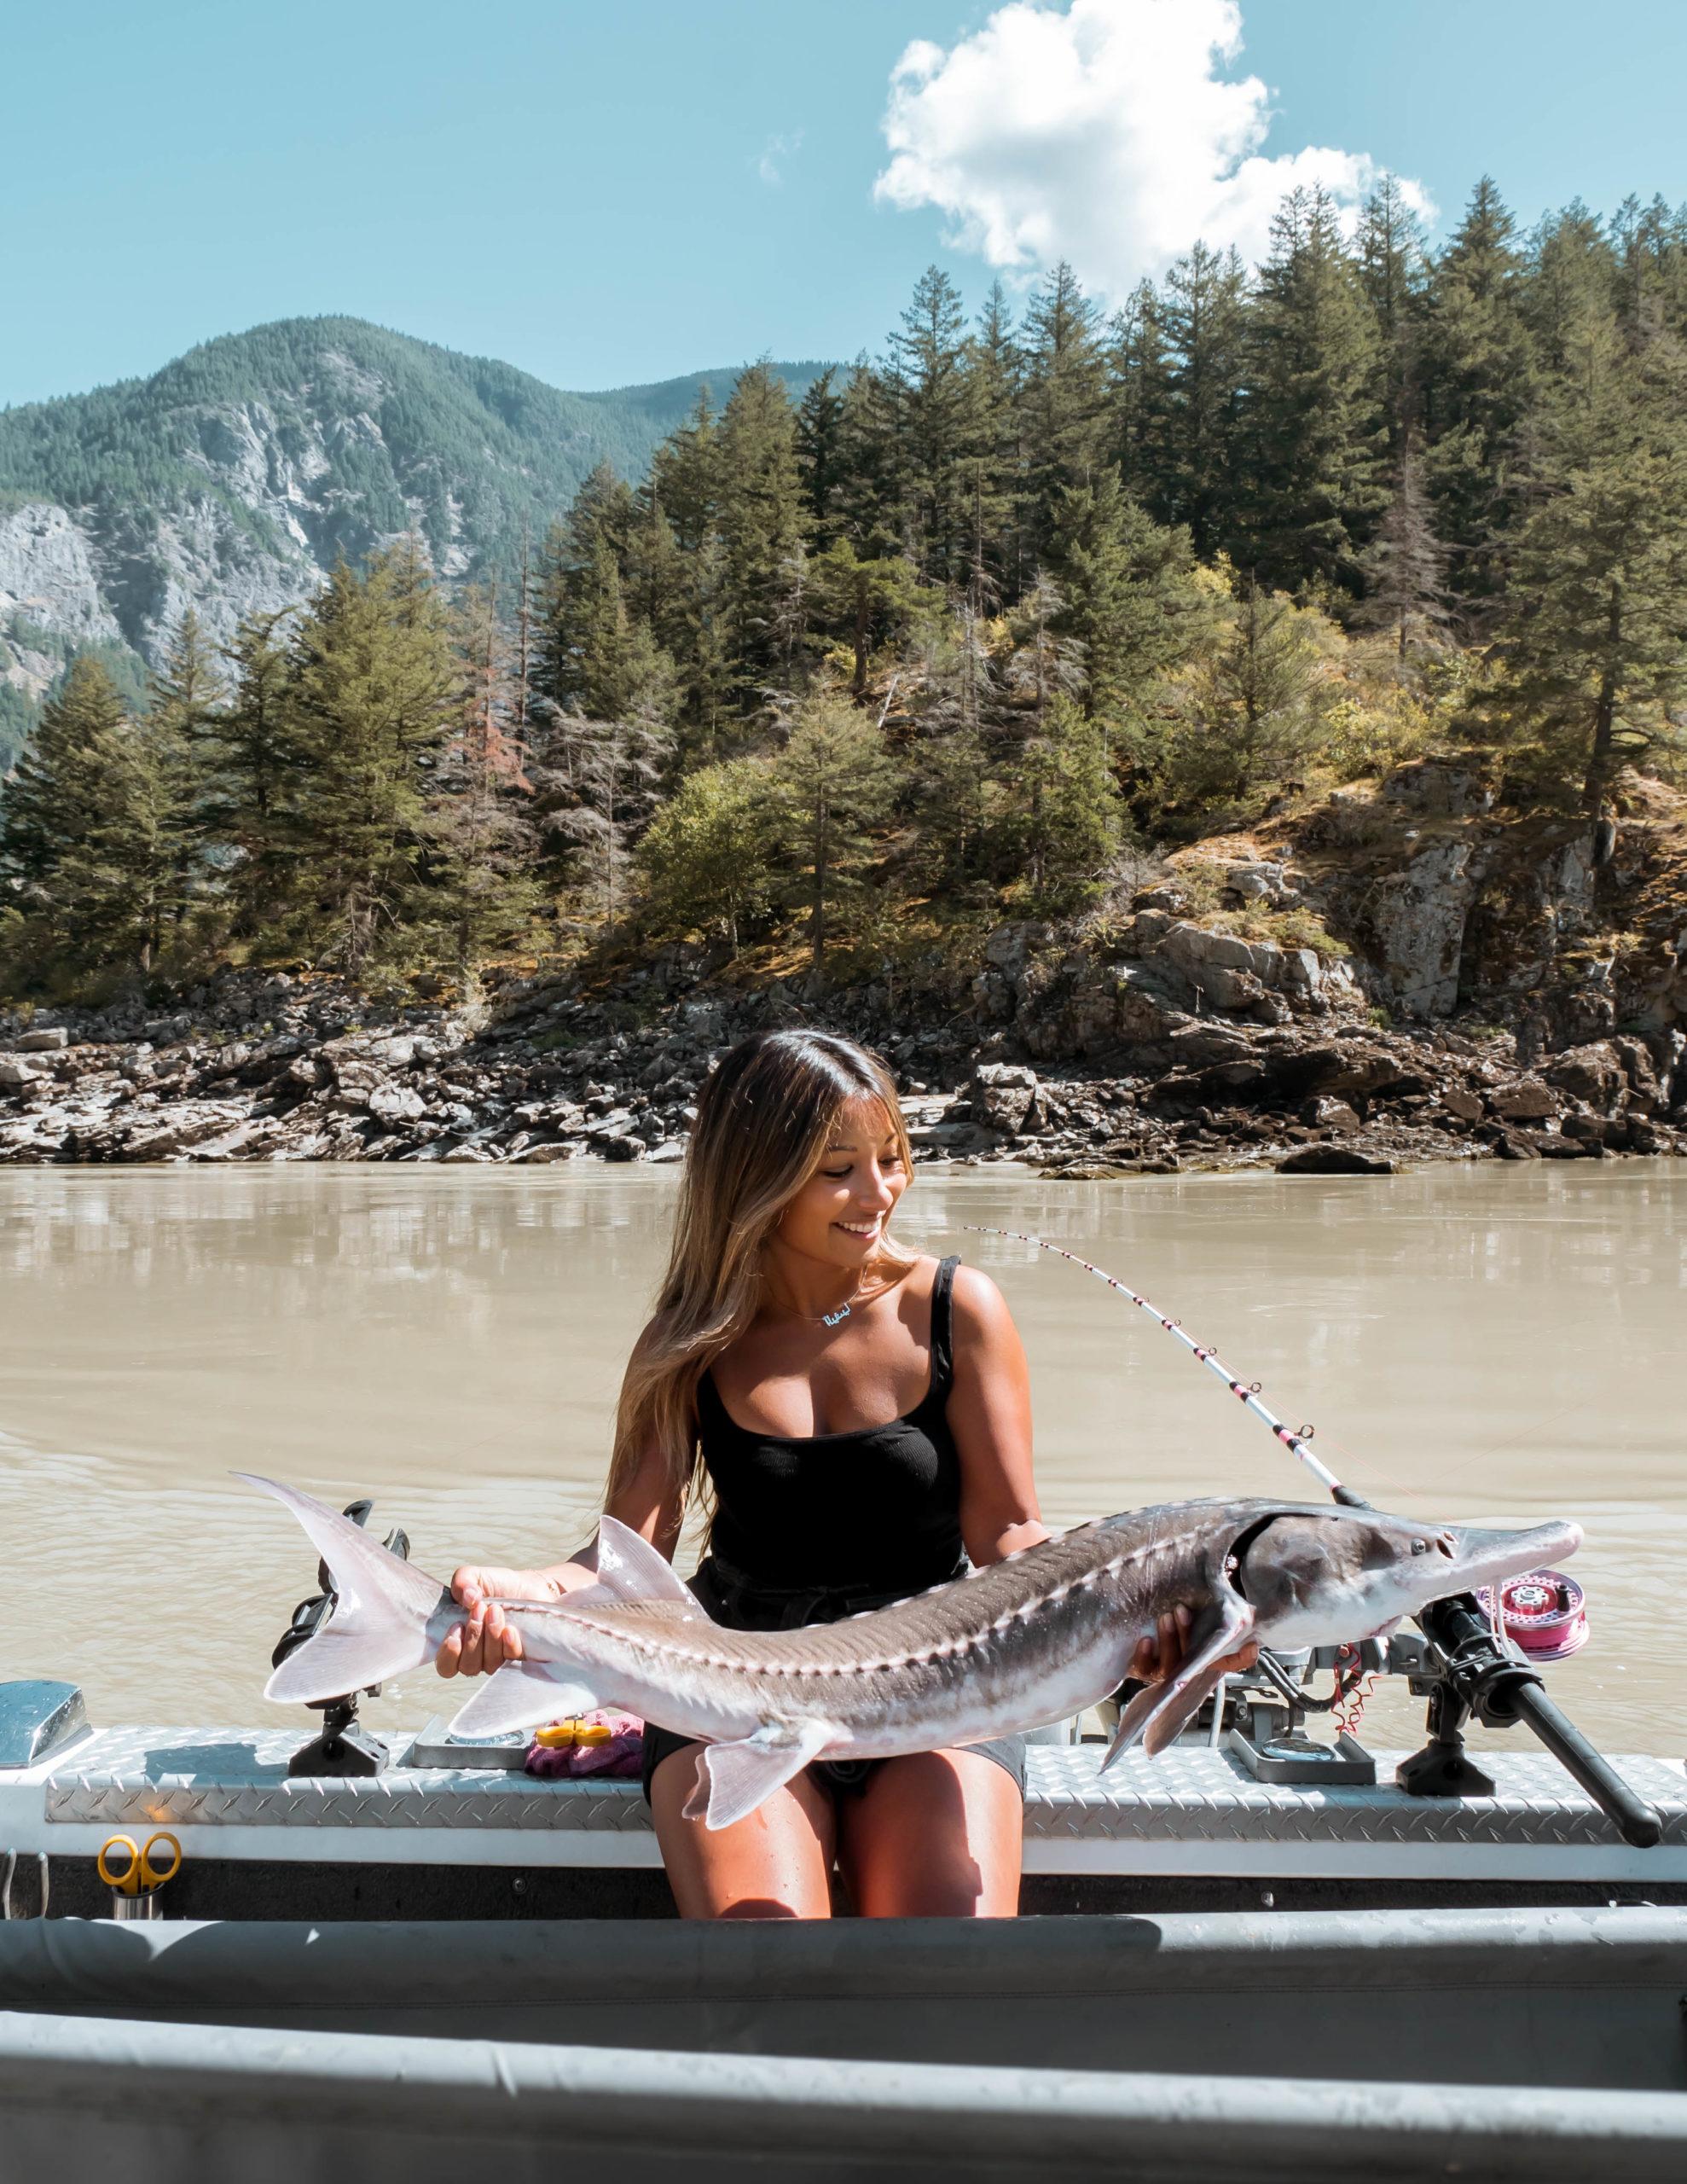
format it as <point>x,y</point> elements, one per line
<point>1543,1612</point>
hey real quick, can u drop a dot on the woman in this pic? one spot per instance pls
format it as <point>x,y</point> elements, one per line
<point>860,1416</point>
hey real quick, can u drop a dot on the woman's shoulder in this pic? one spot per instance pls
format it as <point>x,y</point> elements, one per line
<point>976,1304</point>
<point>980,1308</point>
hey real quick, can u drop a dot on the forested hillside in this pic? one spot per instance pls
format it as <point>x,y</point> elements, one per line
<point>966,631</point>
<point>232,481</point>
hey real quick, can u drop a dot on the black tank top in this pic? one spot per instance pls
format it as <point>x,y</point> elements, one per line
<point>812,1529</point>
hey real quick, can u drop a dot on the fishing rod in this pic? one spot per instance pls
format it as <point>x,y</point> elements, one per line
<point>1478,1675</point>
<point>1297,1441</point>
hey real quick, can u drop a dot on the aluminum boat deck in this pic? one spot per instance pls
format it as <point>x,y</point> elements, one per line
<point>1192,1830</point>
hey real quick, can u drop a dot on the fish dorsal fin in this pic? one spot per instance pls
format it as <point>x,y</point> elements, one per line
<point>519,1696</point>
<point>631,1568</point>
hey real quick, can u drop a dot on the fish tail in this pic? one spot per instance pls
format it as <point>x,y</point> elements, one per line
<point>382,1612</point>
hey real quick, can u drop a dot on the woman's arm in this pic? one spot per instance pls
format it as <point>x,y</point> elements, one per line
<point>989,1415</point>
<point>647,1504</point>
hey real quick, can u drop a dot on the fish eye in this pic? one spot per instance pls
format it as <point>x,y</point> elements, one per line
<point>1420,1547</point>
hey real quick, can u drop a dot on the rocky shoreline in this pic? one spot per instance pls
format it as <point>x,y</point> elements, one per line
<point>1394,976</point>
<point>282,1067</point>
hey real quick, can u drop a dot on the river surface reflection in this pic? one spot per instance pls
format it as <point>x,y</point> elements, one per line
<point>1486,1342</point>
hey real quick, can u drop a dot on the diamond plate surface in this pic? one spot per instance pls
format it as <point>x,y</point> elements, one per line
<point>237,1778</point>
<point>1194,1795</point>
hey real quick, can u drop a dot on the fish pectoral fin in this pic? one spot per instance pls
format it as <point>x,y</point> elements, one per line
<point>631,1568</point>
<point>520,1695</point>
<point>733,1779</point>
<point>1159,1713</point>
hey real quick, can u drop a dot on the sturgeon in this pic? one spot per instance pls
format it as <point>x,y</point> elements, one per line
<point>1030,1640</point>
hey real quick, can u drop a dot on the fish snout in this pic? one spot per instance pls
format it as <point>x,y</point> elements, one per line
<point>1488,1558</point>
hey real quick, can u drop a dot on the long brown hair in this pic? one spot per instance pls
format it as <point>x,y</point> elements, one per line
<point>764,1119</point>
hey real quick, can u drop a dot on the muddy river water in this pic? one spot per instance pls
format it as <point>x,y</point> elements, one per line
<point>1491,1343</point>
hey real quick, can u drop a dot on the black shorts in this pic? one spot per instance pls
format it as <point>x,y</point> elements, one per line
<point>845,1777</point>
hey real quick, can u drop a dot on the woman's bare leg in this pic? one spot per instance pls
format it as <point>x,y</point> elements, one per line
<point>775,1863</point>
<point>935,1835</point>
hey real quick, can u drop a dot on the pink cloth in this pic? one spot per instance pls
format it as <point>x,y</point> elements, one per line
<point>621,1754</point>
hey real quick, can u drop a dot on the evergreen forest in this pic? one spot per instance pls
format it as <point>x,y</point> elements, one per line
<point>962,632</point>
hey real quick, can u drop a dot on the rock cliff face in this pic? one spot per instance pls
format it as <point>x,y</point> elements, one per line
<point>232,479</point>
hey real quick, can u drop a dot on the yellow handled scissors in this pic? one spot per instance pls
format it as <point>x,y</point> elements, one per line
<point>561,1734</point>
<point>139,1874</point>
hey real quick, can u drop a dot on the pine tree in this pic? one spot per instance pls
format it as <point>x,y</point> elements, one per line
<point>1651,244</point>
<point>763,532</point>
<point>1314,429</point>
<point>1251,714</point>
<point>80,827</point>
<point>1063,813</point>
<point>254,767</point>
<point>480,837</point>
<point>1138,366</point>
<point>377,694</point>
<point>59,795</point>
<point>1571,291</point>
<point>1064,405</point>
<point>990,488</point>
<point>185,693</point>
<point>1476,387</point>
<point>1392,271</point>
<point>1404,569</point>
<point>866,603</point>
<point>1045,662</point>
<point>930,395</point>
<point>1194,445</point>
<point>836,778</point>
<point>593,656</point>
<point>705,856</point>
<point>822,456</point>
<point>614,770</point>
<point>1131,602</point>
<point>1597,632</point>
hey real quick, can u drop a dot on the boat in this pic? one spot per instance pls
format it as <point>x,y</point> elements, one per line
<point>1260,1953</point>
<point>1223,1975</point>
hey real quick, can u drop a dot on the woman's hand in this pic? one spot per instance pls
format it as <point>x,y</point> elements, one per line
<point>1158,1658</point>
<point>483,1640</point>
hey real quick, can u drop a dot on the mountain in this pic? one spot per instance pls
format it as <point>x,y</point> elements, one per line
<point>232,478</point>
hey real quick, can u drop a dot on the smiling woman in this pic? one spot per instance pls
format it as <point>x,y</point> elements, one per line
<point>859,1416</point>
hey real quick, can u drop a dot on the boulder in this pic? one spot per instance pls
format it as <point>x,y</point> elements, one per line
<point>391,1103</point>
<point>1330,1114</point>
<point>1524,1101</point>
<point>17,1076</point>
<point>1594,1073</point>
<point>1002,1092</point>
<point>1333,1161</point>
<point>49,1039</point>
<point>1466,1106</point>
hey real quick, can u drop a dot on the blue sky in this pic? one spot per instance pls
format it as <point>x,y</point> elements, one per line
<point>602,193</point>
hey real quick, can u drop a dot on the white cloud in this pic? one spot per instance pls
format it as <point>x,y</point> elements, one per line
<point>776,149</point>
<point>1101,135</point>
